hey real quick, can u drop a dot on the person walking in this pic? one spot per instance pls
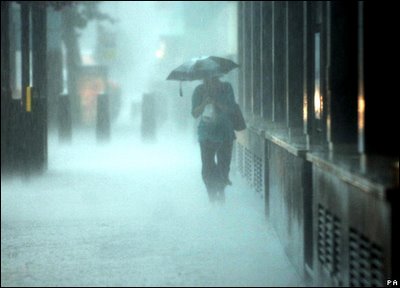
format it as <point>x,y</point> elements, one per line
<point>213,102</point>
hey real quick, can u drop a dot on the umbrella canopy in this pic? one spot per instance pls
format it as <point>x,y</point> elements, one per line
<point>202,67</point>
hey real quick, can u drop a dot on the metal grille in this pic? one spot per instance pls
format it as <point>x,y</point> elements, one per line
<point>258,174</point>
<point>366,261</point>
<point>329,239</point>
<point>240,159</point>
<point>248,165</point>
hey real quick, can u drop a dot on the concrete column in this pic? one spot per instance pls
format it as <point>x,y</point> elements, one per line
<point>241,52</point>
<point>295,64</point>
<point>39,63</point>
<point>64,118</point>
<point>342,75</point>
<point>5,81</point>
<point>23,127</point>
<point>279,63</point>
<point>266,58</point>
<point>247,55</point>
<point>307,69</point>
<point>55,70</point>
<point>256,57</point>
<point>103,123</point>
<point>5,45</point>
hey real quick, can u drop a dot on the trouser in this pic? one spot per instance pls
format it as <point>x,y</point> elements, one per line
<point>216,160</point>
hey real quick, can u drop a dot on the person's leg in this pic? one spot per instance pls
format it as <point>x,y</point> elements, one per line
<point>209,167</point>
<point>224,156</point>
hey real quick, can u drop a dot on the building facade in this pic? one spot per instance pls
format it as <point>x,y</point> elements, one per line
<point>316,103</point>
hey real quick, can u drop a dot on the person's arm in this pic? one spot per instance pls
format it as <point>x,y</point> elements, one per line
<point>197,111</point>
<point>198,105</point>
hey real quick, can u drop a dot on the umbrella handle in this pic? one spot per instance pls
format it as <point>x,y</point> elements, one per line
<point>180,89</point>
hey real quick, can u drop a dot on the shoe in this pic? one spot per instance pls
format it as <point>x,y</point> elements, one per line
<point>212,196</point>
<point>221,197</point>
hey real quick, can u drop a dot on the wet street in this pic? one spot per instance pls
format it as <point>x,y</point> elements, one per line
<point>129,214</point>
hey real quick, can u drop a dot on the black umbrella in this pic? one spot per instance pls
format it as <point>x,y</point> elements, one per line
<point>202,67</point>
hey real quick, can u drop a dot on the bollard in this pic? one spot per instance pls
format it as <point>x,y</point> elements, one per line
<point>64,118</point>
<point>149,114</point>
<point>103,126</point>
<point>14,137</point>
<point>34,133</point>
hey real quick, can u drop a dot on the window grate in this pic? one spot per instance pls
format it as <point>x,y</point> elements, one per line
<point>240,160</point>
<point>258,174</point>
<point>248,165</point>
<point>329,243</point>
<point>366,261</point>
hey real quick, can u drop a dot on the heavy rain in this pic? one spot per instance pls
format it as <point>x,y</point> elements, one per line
<point>123,203</point>
<point>189,143</point>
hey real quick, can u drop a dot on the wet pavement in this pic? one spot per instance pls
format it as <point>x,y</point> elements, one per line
<point>129,214</point>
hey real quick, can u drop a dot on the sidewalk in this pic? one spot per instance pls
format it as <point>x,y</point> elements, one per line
<point>126,214</point>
